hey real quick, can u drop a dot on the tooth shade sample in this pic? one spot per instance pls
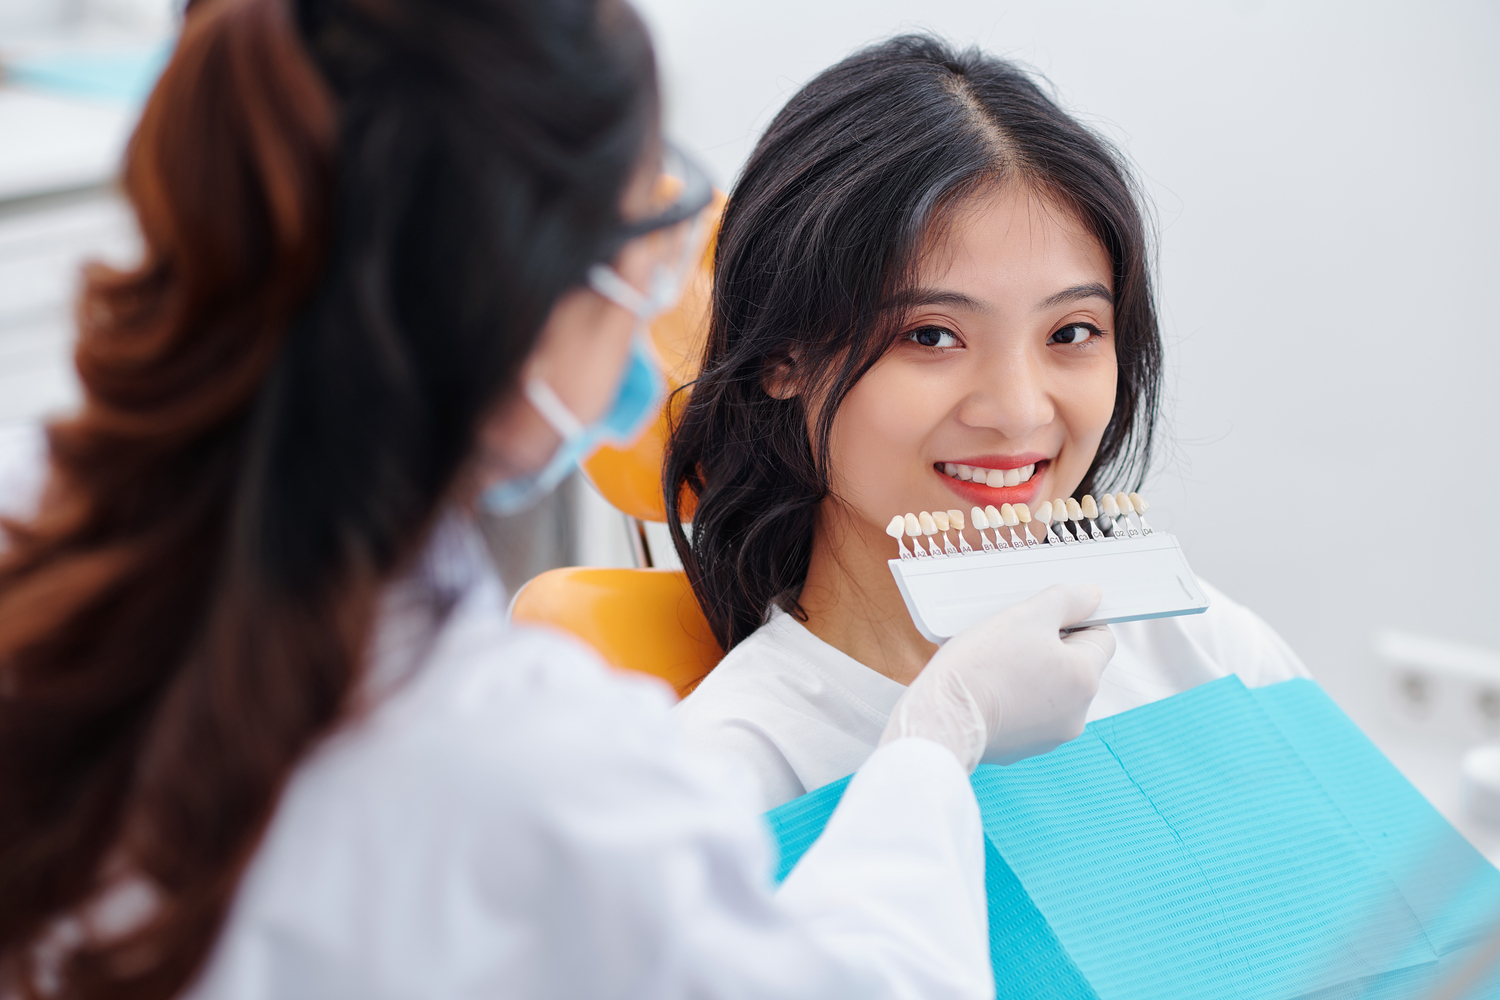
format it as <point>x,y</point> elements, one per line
<point>993,516</point>
<point>978,519</point>
<point>1122,500</point>
<point>913,526</point>
<point>956,518</point>
<point>1009,513</point>
<point>1059,511</point>
<point>929,526</point>
<point>940,518</point>
<point>1023,512</point>
<point>1074,511</point>
<point>1089,508</point>
<point>1012,477</point>
<point>897,527</point>
<point>1044,512</point>
<point>1139,503</point>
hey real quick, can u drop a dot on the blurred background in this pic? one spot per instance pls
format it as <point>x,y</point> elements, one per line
<point>1324,182</point>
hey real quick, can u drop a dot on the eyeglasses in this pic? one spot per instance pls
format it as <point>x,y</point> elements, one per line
<point>664,248</point>
<point>681,193</point>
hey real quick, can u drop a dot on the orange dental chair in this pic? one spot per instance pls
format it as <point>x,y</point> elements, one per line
<point>642,619</point>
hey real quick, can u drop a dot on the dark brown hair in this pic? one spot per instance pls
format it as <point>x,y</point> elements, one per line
<point>818,244</point>
<point>356,218</point>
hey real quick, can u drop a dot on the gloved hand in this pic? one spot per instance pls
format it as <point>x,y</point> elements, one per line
<point>1010,687</point>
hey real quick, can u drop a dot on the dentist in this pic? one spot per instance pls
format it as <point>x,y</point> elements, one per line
<point>264,729</point>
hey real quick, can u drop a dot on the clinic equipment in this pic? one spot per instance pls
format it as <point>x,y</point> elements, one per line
<point>1224,842</point>
<point>950,587</point>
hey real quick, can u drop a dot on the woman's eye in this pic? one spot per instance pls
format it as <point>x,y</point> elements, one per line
<point>1074,333</point>
<point>933,336</point>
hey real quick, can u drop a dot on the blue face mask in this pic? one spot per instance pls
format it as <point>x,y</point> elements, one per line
<point>637,402</point>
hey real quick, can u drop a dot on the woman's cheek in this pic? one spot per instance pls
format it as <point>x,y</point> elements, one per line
<point>879,431</point>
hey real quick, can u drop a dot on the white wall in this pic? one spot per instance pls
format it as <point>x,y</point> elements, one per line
<point>1327,182</point>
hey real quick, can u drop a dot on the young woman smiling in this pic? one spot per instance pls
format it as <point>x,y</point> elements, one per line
<point>931,292</point>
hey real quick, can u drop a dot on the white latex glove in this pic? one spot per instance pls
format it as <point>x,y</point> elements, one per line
<point>1010,687</point>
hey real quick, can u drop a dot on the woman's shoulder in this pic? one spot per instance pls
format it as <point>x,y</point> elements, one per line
<point>797,711</point>
<point>1228,638</point>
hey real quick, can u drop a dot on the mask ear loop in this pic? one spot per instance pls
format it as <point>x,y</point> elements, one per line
<point>608,283</point>
<point>553,409</point>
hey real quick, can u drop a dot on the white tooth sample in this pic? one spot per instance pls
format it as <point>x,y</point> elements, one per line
<point>1089,508</point>
<point>994,477</point>
<point>929,526</point>
<point>1122,500</point>
<point>965,473</point>
<point>1012,477</point>
<point>1109,506</point>
<point>896,529</point>
<point>940,518</point>
<point>1008,513</point>
<point>1059,511</point>
<point>913,526</point>
<point>978,519</point>
<point>1044,512</point>
<point>1074,511</point>
<point>956,519</point>
<point>950,469</point>
<point>1139,503</point>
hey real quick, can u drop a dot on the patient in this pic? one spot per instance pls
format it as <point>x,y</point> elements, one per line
<point>926,269</point>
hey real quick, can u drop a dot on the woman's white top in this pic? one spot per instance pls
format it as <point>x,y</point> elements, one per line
<point>801,713</point>
<point>508,817</point>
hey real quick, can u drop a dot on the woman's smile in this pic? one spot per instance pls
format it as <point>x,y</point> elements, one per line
<point>995,479</point>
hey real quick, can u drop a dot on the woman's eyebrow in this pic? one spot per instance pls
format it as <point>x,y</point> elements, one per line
<point>1092,290</point>
<point>938,297</point>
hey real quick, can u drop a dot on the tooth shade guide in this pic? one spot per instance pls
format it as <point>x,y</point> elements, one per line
<point>1142,578</point>
<point>928,525</point>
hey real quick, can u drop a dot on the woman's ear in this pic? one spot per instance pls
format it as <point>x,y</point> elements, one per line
<point>780,379</point>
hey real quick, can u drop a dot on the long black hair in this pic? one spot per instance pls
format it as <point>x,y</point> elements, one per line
<point>821,236</point>
<point>357,215</point>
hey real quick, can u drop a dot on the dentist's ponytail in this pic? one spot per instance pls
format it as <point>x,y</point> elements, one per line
<point>356,216</point>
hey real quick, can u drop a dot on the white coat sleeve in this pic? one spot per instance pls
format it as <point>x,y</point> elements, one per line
<point>545,831</point>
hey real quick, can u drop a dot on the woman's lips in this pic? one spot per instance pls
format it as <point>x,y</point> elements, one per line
<point>978,493</point>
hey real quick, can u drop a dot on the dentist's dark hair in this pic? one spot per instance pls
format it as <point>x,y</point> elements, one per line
<point>820,239</point>
<point>356,217</point>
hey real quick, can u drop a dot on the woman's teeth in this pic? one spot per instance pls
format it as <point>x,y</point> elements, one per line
<point>990,477</point>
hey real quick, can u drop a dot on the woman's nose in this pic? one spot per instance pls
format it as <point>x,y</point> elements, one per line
<point>1010,396</point>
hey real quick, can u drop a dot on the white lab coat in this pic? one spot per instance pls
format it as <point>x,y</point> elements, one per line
<point>801,713</point>
<point>507,817</point>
